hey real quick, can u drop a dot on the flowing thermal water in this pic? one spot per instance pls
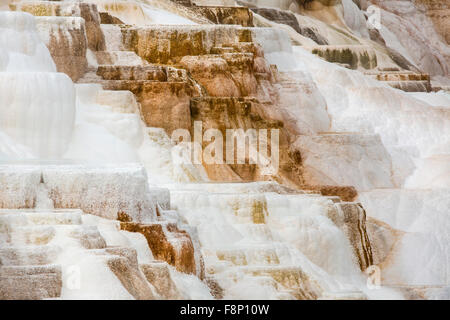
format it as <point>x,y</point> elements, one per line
<point>257,243</point>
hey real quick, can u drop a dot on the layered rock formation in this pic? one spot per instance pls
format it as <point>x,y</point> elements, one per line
<point>94,184</point>
<point>226,15</point>
<point>69,255</point>
<point>68,29</point>
<point>438,12</point>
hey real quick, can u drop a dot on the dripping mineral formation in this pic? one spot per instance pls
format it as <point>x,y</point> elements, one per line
<point>96,204</point>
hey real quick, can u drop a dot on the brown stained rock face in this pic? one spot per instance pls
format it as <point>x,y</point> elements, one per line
<point>163,104</point>
<point>350,217</point>
<point>94,34</point>
<point>68,29</point>
<point>151,72</point>
<point>411,86</point>
<point>106,18</point>
<point>288,18</point>
<point>383,239</point>
<point>214,287</point>
<point>345,193</point>
<point>158,46</point>
<point>87,11</point>
<point>439,12</point>
<point>293,278</point>
<point>403,76</point>
<point>229,113</point>
<point>163,92</point>
<point>226,15</point>
<point>223,65</point>
<point>66,41</point>
<point>167,243</point>
<point>186,3</point>
<point>169,44</point>
<point>279,16</point>
<point>123,217</point>
<point>166,105</point>
<point>232,70</point>
<point>225,75</point>
<point>317,4</point>
<point>158,274</point>
<point>213,74</point>
<point>130,277</point>
<point>242,113</point>
<point>404,80</point>
<point>222,173</point>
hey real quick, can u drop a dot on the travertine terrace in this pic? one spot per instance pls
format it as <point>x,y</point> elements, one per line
<point>96,204</point>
